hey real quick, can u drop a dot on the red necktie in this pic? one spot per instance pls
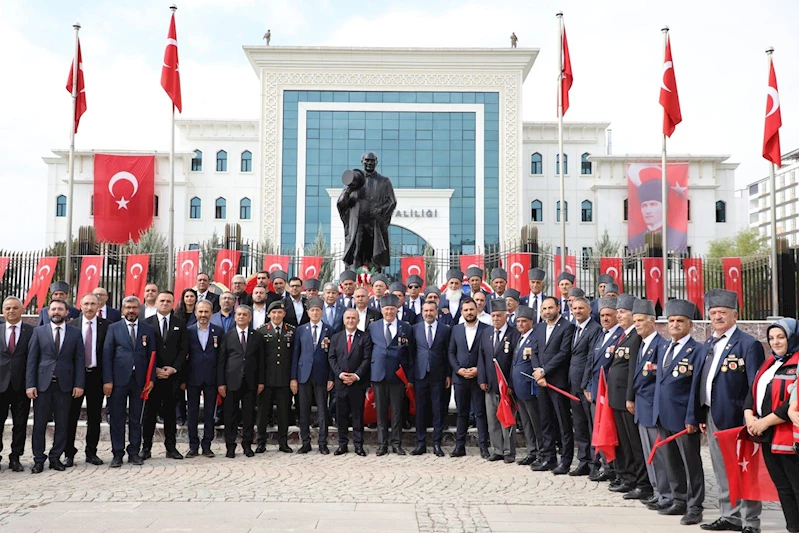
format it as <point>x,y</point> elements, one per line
<point>621,339</point>
<point>100,313</point>
<point>12,340</point>
<point>349,343</point>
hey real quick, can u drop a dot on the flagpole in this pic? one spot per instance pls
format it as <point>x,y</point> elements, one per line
<point>775,285</point>
<point>664,192</point>
<point>561,163</point>
<point>171,239</point>
<point>71,186</point>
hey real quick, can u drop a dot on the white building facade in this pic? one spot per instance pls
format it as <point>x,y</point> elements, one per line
<point>759,201</point>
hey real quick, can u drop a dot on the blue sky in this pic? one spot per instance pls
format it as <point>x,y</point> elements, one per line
<point>616,50</point>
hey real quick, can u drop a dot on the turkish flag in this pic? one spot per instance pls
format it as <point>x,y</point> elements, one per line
<point>145,394</point>
<point>408,391</point>
<point>40,284</point>
<point>227,265</point>
<point>747,475</point>
<point>506,411</point>
<point>605,437</point>
<point>369,409</point>
<point>645,206</point>
<point>310,266</point>
<point>170,71</point>
<point>732,277</point>
<point>188,262</point>
<point>653,275</point>
<point>571,267</point>
<point>467,261</point>
<point>4,261</point>
<point>276,262</point>
<point>124,188</point>
<point>669,98</point>
<point>518,265</point>
<point>566,77</point>
<point>136,268</point>
<point>80,104</point>
<point>694,282</point>
<point>613,266</point>
<point>413,266</point>
<point>90,268</point>
<point>771,135</point>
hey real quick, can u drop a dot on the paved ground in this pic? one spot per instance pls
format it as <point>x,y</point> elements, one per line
<point>281,492</point>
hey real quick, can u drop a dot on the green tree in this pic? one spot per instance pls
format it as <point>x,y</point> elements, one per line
<point>606,247</point>
<point>319,248</point>
<point>746,243</point>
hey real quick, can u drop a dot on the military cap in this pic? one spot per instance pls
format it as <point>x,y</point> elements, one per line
<point>379,277</point>
<point>650,191</point>
<point>536,274</point>
<point>721,298</point>
<point>315,302</point>
<point>432,290</point>
<point>525,312</point>
<point>454,273</point>
<point>312,283</point>
<point>499,273</point>
<point>625,301</point>
<point>279,274</point>
<point>414,279</point>
<point>644,307</point>
<point>59,286</point>
<point>397,286</point>
<point>513,293</point>
<point>680,308</point>
<point>605,278</point>
<point>499,304</point>
<point>348,275</point>
<point>611,287</point>
<point>474,271</point>
<point>576,292</point>
<point>567,276</point>
<point>389,300</point>
<point>276,305</point>
<point>606,302</point>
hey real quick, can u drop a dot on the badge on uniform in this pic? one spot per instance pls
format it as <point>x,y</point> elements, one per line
<point>216,341</point>
<point>144,340</point>
<point>507,345</point>
<point>608,351</point>
<point>326,343</point>
<point>649,366</point>
<point>527,353</point>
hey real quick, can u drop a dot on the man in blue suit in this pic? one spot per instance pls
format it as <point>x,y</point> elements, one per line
<point>524,388</point>
<point>225,318</point>
<point>601,289</point>
<point>59,290</point>
<point>551,357</point>
<point>512,299</point>
<point>676,407</point>
<point>431,377</point>
<point>311,378</point>
<point>392,347</point>
<point>565,283</point>
<point>464,349</point>
<point>55,374</point>
<point>333,309</point>
<point>536,277</point>
<point>380,288</point>
<point>432,294</point>
<point>200,377</point>
<point>404,312</point>
<point>732,359</point>
<point>126,358</point>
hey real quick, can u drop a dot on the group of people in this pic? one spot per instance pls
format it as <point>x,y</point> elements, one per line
<point>326,345</point>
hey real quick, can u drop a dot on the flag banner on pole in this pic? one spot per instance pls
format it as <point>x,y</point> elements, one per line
<point>669,98</point>
<point>40,284</point>
<point>732,277</point>
<point>653,277</point>
<point>571,267</point>
<point>4,261</point>
<point>310,267</point>
<point>771,135</point>
<point>413,266</point>
<point>747,476</point>
<point>409,391</point>
<point>605,437</point>
<point>124,196</point>
<point>90,268</point>
<point>694,281</point>
<point>136,269</point>
<point>227,265</point>
<point>612,266</point>
<point>170,70</point>
<point>645,205</point>
<point>658,443</point>
<point>566,77</point>
<point>188,262</point>
<point>276,262</point>
<point>80,105</point>
<point>468,261</point>
<point>518,265</point>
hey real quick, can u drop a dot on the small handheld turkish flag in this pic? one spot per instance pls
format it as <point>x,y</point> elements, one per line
<point>170,71</point>
<point>506,409</point>
<point>669,98</point>
<point>80,104</point>
<point>747,475</point>
<point>771,135</point>
<point>605,437</point>
<point>90,268</point>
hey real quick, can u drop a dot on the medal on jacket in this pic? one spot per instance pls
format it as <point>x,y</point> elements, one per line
<point>326,343</point>
<point>144,340</point>
<point>527,353</point>
<point>216,341</point>
<point>507,345</point>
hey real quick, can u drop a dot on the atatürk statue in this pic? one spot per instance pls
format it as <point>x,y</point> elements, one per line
<point>366,205</point>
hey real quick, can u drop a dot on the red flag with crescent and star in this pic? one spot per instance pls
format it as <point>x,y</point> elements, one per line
<point>227,265</point>
<point>4,261</point>
<point>566,77</point>
<point>732,277</point>
<point>605,437</point>
<point>40,284</point>
<point>612,266</point>
<point>276,262</point>
<point>771,134</point>
<point>747,475</point>
<point>90,268</point>
<point>645,204</point>
<point>188,262</point>
<point>136,268</point>
<point>518,265</point>
<point>653,276</point>
<point>80,104</point>
<point>310,266</point>
<point>413,266</point>
<point>571,267</point>
<point>506,409</point>
<point>669,98</point>
<point>124,189</point>
<point>170,70</point>
<point>694,281</point>
<point>467,261</point>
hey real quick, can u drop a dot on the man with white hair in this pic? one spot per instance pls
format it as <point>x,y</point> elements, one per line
<point>454,293</point>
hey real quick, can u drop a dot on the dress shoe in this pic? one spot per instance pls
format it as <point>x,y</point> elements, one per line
<point>93,460</point>
<point>484,453</point>
<point>69,462</point>
<point>398,450</point>
<point>230,454</point>
<point>261,448</point>
<point>419,450</point>
<point>135,459</point>
<point>359,451</point>
<point>15,465</point>
<point>624,487</point>
<point>657,506</point>
<point>615,482</point>
<point>594,475</point>
<point>305,448</point>
<point>381,451</point>
<point>285,448</point>
<point>527,461</point>
<point>606,475</point>
<point>652,499</point>
<point>191,454</point>
<point>438,451</point>
<point>544,467</point>
<point>691,517</point>
<point>582,470</point>
<point>673,510</point>
<point>55,464</point>
<point>495,457</point>
<point>37,468</point>
<point>116,462</point>
<point>248,451</point>
<point>145,454</point>
<point>721,524</point>
<point>637,494</point>
<point>324,450</point>
<point>208,453</point>
<point>458,452</point>
<point>509,459</point>
<point>560,470</point>
<point>749,529</point>
<point>173,454</point>
<point>341,450</point>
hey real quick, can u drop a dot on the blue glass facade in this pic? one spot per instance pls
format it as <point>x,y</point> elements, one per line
<point>416,150</point>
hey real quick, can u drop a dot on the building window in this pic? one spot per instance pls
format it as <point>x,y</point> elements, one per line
<point>61,206</point>
<point>721,212</point>
<point>626,206</point>
<point>244,209</point>
<point>537,209</point>
<point>220,210</point>
<point>586,211</point>
<point>155,205</point>
<point>566,211</point>
<point>246,161</point>
<point>195,208</point>
<point>197,161</point>
<point>221,161</point>
<point>753,189</point>
<point>536,164</point>
<point>565,164</point>
<point>585,164</point>
<point>194,246</point>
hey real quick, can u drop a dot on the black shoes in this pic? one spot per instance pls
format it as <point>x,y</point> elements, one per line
<point>691,517</point>
<point>93,460</point>
<point>560,470</point>
<point>458,452</point>
<point>484,453</point>
<point>305,448</point>
<point>637,494</point>
<point>509,459</point>
<point>248,451</point>
<point>527,461</point>
<point>135,459</point>
<point>323,449</point>
<point>341,450</point>
<point>544,467</point>
<point>359,451</point>
<point>381,451</point>
<point>173,454</point>
<point>673,510</point>
<point>69,462</point>
<point>285,448</point>
<point>419,450</point>
<point>495,457</point>
<point>582,470</point>
<point>438,451</point>
<point>623,487</point>
<point>261,448</point>
<point>15,465</point>
<point>721,524</point>
<point>37,468</point>
<point>208,453</point>
<point>656,506</point>
<point>398,450</point>
<point>116,462</point>
<point>230,454</point>
<point>145,454</point>
<point>191,454</point>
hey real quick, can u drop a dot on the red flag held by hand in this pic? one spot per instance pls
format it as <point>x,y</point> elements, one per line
<point>369,410</point>
<point>170,70</point>
<point>669,98</point>
<point>605,437</point>
<point>145,394</point>
<point>658,443</point>
<point>771,135</point>
<point>408,391</point>
<point>747,475</point>
<point>80,104</point>
<point>506,409</point>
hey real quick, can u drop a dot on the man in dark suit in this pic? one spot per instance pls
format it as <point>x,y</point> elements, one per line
<point>199,377</point>
<point>512,300</point>
<point>676,407</point>
<point>499,282</point>
<point>415,299</point>
<point>551,356</point>
<point>203,283</point>
<point>497,344</point>
<point>366,315</point>
<point>453,295</point>
<point>565,283</point>
<point>630,466</point>
<point>333,311</point>
<point>380,288</point>
<point>404,312</point>
<point>392,348</point>
<point>732,359</point>
<point>59,290</point>
<point>278,337</point>
<point>350,356</point>
<point>225,318</point>
<point>126,359</point>
<point>525,389</point>
<point>431,377</point>
<point>54,374</point>
<point>105,311</point>
<point>296,314</point>
<point>536,277</point>
<point>171,346</point>
<point>14,338</point>
<point>602,282</point>
<point>311,378</point>
<point>240,379</point>
<point>347,281</point>
<point>464,348</point>
<point>432,294</point>
<point>93,330</point>
<point>585,335</point>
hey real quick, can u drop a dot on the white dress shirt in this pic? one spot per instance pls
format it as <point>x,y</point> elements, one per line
<point>239,331</point>
<point>63,327</point>
<point>718,356</point>
<point>362,319</point>
<point>258,316</point>
<point>161,323</point>
<point>149,311</point>
<point>647,341</point>
<point>17,331</point>
<point>84,328</point>
<point>299,308</point>
<point>609,334</point>
<point>392,328</point>
<point>550,329</point>
<point>471,333</point>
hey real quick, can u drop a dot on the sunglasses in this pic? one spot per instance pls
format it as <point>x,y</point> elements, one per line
<point>414,287</point>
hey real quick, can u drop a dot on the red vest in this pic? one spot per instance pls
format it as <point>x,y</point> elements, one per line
<point>781,385</point>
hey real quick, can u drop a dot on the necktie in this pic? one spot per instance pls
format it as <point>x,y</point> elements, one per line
<point>12,340</point>
<point>497,335</point>
<point>57,340</point>
<point>389,336</point>
<point>330,315</point>
<point>577,337</point>
<point>163,328</point>
<point>430,335</point>
<point>349,343</point>
<point>132,334</point>
<point>349,303</point>
<point>621,339</point>
<point>243,342</point>
<point>511,318</point>
<point>640,352</point>
<point>315,335</point>
<point>535,308</point>
<point>100,313</point>
<point>87,345</point>
<point>703,398</point>
<point>667,360</point>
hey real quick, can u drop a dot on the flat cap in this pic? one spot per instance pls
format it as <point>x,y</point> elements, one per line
<point>348,275</point>
<point>680,308</point>
<point>513,293</point>
<point>576,292</point>
<point>525,312</point>
<point>721,298</point>
<point>644,307</point>
<point>278,274</point>
<point>432,290</point>
<point>312,284</point>
<point>454,273</point>
<point>625,301</point>
<point>606,302</point>
<point>414,279</point>
<point>389,300</point>
<point>315,302</point>
<point>397,286</point>
<point>474,271</point>
<point>379,277</point>
<point>605,278</point>
<point>536,274</point>
<point>59,286</point>
<point>499,273</point>
<point>276,305</point>
<point>611,287</point>
<point>499,304</point>
<point>567,276</point>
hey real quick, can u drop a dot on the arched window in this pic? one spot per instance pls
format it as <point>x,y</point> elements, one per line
<point>195,208</point>
<point>61,206</point>
<point>566,211</point>
<point>197,161</point>
<point>626,208</point>
<point>220,210</point>
<point>565,164</point>
<point>586,211</point>
<point>246,161</point>
<point>155,205</point>
<point>221,161</point>
<point>536,164</point>
<point>244,209</point>
<point>721,212</point>
<point>585,164</point>
<point>537,209</point>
